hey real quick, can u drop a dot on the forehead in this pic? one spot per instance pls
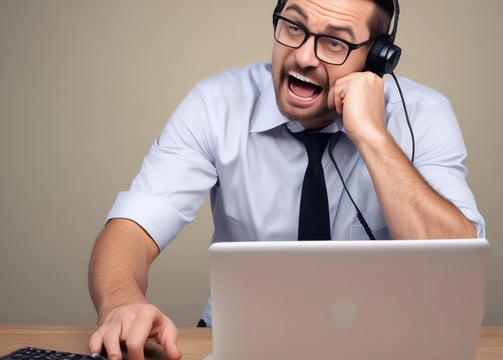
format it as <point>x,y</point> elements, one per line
<point>323,15</point>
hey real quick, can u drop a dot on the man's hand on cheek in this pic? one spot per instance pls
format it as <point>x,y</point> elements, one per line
<point>359,98</point>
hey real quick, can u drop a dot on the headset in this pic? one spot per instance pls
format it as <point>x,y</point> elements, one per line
<point>382,59</point>
<point>384,55</point>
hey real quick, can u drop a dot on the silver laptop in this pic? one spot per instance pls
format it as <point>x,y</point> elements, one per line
<point>350,300</point>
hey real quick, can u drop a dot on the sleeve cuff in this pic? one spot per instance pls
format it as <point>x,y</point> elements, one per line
<point>159,220</point>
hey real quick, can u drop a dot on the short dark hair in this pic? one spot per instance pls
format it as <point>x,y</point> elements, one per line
<point>387,5</point>
<point>380,22</point>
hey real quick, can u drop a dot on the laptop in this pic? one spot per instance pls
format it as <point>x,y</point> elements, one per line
<point>349,300</point>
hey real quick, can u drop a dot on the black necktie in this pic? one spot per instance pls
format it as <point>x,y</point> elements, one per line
<point>314,216</point>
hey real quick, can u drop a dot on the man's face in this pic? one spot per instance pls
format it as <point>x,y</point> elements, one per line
<point>301,81</point>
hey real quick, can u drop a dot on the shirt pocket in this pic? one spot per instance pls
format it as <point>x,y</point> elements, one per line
<point>375,221</point>
<point>357,232</point>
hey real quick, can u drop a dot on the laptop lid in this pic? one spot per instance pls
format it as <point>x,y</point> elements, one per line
<point>354,300</point>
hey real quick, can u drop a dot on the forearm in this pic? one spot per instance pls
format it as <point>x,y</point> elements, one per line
<point>118,269</point>
<point>411,207</point>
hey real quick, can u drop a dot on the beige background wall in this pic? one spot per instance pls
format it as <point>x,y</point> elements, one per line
<point>86,86</point>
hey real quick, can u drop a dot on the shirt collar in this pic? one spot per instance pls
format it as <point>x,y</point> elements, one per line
<point>266,114</point>
<point>295,126</point>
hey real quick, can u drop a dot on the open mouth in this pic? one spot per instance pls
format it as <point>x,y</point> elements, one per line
<point>302,88</point>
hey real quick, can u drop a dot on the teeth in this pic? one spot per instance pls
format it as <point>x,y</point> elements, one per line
<point>302,78</point>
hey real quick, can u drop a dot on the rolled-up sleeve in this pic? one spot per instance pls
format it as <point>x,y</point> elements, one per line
<point>441,151</point>
<point>175,176</point>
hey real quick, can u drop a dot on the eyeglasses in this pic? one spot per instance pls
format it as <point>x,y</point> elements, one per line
<point>329,49</point>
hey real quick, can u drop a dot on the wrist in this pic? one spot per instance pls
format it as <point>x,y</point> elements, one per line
<point>108,307</point>
<point>373,142</point>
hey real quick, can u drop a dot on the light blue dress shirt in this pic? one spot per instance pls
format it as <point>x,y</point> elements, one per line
<point>228,139</point>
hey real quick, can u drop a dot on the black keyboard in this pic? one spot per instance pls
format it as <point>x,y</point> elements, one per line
<point>31,353</point>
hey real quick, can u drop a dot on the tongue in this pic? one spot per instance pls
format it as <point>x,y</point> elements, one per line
<point>303,89</point>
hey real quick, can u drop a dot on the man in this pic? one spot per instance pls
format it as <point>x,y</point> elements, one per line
<point>233,136</point>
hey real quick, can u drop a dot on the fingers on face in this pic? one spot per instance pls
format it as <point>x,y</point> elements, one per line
<point>338,96</point>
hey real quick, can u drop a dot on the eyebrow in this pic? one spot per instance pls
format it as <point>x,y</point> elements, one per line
<point>337,28</point>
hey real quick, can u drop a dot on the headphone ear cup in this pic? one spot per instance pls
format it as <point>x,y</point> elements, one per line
<point>383,56</point>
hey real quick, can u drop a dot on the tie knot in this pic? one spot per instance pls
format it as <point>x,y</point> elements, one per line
<point>314,142</point>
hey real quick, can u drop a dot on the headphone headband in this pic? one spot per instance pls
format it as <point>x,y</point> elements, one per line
<point>395,14</point>
<point>384,55</point>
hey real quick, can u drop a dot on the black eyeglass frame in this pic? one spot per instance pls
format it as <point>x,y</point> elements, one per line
<point>308,34</point>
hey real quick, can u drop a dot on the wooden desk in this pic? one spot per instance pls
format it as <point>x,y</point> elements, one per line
<point>195,343</point>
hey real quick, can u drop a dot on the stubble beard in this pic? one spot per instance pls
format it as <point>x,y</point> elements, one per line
<point>317,116</point>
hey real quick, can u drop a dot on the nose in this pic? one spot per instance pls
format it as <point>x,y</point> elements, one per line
<point>306,54</point>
